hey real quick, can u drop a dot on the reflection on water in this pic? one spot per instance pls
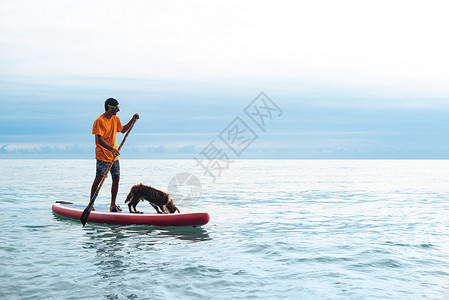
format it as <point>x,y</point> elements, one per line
<point>116,233</point>
<point>124,252</point>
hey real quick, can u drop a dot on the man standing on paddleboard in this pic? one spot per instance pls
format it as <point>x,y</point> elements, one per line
<point>105,129</point>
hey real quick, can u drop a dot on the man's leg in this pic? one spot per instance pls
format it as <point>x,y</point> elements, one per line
<point>94,187</point>
<point>100,171</point>
<point>115,174</point>
<point>97,181</point>
<point>114,191</point>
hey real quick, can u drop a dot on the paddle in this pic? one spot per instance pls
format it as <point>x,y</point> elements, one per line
<point>87,210</point>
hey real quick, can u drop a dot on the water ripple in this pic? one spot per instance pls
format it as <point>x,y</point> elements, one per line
<point>278,230</point>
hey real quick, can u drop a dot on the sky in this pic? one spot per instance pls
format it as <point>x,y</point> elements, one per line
<point>350,79</point>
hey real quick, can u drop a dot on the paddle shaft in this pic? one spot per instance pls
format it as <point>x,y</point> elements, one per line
<point>88,209</point>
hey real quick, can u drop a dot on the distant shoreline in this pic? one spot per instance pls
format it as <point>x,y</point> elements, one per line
<point>191,157</point>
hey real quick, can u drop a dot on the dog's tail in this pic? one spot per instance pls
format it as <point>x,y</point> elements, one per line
<point>130,195</point>
<point>128,198</point>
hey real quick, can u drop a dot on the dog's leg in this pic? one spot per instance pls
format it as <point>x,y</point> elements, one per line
<point>133,203</point>
<point>156,208</point>
<point>135,210</point>
<point>130,203</point>
<point>129,200</point>
<point>129,207</point>
<point>163,209</point>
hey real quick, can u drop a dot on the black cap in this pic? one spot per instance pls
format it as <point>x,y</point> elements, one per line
<point>110,101</point>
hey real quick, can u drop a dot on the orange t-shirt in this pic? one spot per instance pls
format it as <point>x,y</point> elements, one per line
<point>108,129</point>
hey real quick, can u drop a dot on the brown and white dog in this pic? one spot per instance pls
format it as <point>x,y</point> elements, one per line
<point>161,201</point>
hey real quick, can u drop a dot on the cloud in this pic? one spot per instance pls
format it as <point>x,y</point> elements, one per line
<point>352,78</point>
<point>2,149</point>
<point>45,149</point>
<point>392,44</point>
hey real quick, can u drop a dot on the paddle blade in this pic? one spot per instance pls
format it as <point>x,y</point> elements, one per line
<point>85,214</point>
<point>88,209</point>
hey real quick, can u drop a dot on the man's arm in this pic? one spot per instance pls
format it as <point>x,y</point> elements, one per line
<point>103,144</point>
<point>127,126</point>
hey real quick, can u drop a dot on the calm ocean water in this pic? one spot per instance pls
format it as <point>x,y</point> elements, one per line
<point>279,229</point>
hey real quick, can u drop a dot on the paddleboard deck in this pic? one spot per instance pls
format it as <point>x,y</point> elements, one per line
<point>73,211</point>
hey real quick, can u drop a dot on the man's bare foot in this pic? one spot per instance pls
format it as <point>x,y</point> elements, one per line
<point>115,208</point>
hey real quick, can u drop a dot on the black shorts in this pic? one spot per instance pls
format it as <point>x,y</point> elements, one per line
<point>102,167</point>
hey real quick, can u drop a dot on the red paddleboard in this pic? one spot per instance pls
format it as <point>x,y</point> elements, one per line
<point>72,211</point>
